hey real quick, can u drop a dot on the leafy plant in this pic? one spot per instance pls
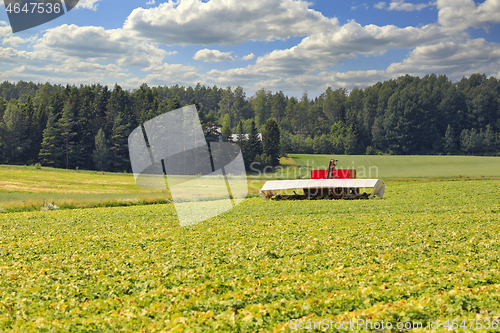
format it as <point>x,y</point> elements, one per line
<point>427,251</point>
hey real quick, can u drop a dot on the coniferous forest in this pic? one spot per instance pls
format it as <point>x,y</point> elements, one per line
<point>87,127</point>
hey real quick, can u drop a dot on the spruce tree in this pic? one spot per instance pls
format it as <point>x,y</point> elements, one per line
<point>15,144</point>
<point>118,147</point>
<point>253,145</point>
<point>3,106</point>
<point>30,114</point>
<point>174,104</point>
<point>240,136</point>
<point>66,125</point>
<point>51,153</point>
<point>101,152</point>
<point>271,141</point>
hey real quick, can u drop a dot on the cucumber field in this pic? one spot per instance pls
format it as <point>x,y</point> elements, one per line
<point>428,251</point>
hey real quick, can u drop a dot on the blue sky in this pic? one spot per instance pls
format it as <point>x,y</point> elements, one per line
<point>288,45</point>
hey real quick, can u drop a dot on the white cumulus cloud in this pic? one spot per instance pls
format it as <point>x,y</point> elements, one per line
<point>88,4</point>
<point>213,56</point>
<point>226,22</point>
<point>319,51</point>
<point>401,5</point>
<point>90,54</point>
<point>167,74</point>
<point>5,29</point>
<point>451,57</point>
<point>13,41</point>
<point>248,57</point>
<point>97,44</point>
<point>462,14</point>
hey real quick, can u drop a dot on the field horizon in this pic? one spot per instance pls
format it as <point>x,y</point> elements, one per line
<point>407,166</point>
<point>26,188</point>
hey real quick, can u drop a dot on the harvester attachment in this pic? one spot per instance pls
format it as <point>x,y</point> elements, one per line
<point>315,189</point>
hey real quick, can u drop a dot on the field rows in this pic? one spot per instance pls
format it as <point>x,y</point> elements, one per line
<point>426,251</point>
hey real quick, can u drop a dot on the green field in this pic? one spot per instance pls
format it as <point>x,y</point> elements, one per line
<point>27,188</point>
<point>24,188</point>
<point>387,166</point>
<point>427,251</point>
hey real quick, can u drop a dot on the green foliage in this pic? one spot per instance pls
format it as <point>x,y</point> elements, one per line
<point>342,138</point>
<point>240,138</point>
<point>253,144</point>
<point>449,141</point>
<point>419,254</point>
<point>101,152</point>
<point>261,104</point>
<point>51,152</point>
<point>471,141</point>
<point>207,129</point>
<point>271,141</point>
<point>12,133</point>
<point>66,124</point>
<point>226,129</point>
<point>370,150</point>
<point>408,115</point>
<point>118,150</point>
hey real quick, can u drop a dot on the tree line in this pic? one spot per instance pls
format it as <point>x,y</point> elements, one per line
<point>87,127</point>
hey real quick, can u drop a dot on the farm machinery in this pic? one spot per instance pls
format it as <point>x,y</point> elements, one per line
<point>325,184</point>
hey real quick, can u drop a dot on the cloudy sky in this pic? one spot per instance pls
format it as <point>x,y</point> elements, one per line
<point>288,45</point>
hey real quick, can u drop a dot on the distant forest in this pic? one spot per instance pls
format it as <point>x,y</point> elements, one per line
<point>87,127</point>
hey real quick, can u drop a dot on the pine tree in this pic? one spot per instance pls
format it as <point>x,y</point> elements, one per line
<point>51,153</point>
<point>101,152</point>
<point>56,104</point>
<point>14,127</point>
<point>352,141</point>
<point>66,124</point>
<point>3,106</point>
<point>253,144</point>
<point>271,141</point>
<point>38,125</point>
<point>30,114</point>
<point>240,136</point>
<point>174,104</point>
<point>226,104</point>
<point>118,147</point>
<point>78,157</point>
<point>278,106</point>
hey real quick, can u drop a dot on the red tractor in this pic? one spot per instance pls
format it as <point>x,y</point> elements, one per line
<point>332,173</point>
<point>324,184</point>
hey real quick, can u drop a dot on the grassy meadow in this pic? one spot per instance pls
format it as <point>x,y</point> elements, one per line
<point>388,166</point>
<point>25,188</point>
